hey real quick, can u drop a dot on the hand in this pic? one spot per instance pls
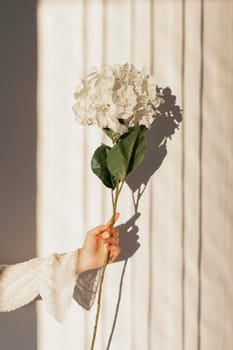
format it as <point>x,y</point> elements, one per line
<point>98,242</point>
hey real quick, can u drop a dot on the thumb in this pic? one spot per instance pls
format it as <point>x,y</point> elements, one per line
<point>110,222</point>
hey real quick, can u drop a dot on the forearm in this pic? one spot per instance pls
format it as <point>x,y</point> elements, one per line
<point>53,278</point>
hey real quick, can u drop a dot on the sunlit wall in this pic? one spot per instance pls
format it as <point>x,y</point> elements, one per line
<point>175,292</point>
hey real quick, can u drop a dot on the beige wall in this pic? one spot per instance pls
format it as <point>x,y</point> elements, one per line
<point>176,289</point>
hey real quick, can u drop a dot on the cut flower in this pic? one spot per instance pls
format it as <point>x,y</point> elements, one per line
<point>117,97</point>
<point>123,102</point>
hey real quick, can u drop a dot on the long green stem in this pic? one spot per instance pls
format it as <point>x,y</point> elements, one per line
<point>106,261</point>
<point>99,301</point>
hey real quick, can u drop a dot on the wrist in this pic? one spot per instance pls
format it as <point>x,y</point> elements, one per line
<point>80,267</point>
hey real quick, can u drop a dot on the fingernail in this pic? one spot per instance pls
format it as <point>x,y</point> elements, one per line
<point>105,235</point>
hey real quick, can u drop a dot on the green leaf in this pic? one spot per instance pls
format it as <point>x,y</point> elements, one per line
<point>113,135</point>
<point>139,153</point>
<point>127,154</point>
<point>99,166</point>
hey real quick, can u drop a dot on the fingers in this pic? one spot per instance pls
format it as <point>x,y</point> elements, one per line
<point>109,237</point>
<point>114,232</point>
<point>111,232</point>
<point>111,240</point>
<point>110,222</point>
<point>114,251</point>
<point>97,230</point>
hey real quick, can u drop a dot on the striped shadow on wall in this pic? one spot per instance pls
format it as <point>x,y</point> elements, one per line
<point>175,290</point>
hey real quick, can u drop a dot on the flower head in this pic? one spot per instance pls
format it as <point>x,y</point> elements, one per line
<point>117,97</point>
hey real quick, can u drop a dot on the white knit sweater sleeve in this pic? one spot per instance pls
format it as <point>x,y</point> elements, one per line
<point>58,276</point>
<point>53,278</point>
<point>18,284</point>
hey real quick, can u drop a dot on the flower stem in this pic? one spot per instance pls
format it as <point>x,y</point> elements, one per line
<point>106,261</point>
<point>99,300</point>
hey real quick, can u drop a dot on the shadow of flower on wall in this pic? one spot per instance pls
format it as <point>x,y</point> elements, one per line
<point>164,126</point>
<point>162,129</point>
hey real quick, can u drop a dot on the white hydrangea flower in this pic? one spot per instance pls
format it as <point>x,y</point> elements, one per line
<point>117,97</point>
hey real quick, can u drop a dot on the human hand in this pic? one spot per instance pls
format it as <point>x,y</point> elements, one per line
<point>97,243</point>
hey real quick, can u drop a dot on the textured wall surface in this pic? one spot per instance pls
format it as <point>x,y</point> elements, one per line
<point>175,290</point>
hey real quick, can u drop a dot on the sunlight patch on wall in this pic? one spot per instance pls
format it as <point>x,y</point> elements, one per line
<point>59,159</point>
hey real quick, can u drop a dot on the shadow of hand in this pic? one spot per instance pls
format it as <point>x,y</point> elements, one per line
<point>128,238</point>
